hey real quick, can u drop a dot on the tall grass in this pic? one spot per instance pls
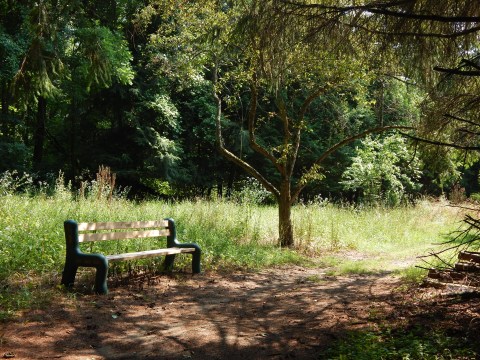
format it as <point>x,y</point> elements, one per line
<point>374,238</point>
<point>231,234</point>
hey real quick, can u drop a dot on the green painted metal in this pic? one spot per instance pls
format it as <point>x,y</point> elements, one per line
<point>76,258</point>
<point>173,242</point>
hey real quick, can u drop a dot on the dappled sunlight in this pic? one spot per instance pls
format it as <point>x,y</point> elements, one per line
<point>254,315</point>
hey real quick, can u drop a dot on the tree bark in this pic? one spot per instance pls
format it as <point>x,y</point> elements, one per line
<point>285,227</point>
<point>74,121</point>
<point>39,136</point>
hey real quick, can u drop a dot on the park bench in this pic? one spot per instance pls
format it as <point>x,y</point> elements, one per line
<point>76,233</point>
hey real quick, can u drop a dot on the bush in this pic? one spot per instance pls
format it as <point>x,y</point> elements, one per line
<point>382,171</point>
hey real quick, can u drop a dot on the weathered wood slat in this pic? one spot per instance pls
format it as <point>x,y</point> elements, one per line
<point>469,256</point>
<point>468,267</point>
<point>447,275</point>
<point>121,235</point>
<point>121,225</point>
<point>148,253</point>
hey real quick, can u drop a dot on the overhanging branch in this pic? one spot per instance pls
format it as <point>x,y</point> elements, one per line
<point>418,34</point>
<point>457,71</point>
<point>461,119</point>
<point>385,9</point>
<point>441,143</point>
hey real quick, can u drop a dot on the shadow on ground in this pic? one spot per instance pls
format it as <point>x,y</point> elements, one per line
<point>277,314</point>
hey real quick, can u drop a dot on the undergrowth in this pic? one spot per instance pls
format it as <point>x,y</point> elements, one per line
<point>414,344</point>
<point>232,234</point>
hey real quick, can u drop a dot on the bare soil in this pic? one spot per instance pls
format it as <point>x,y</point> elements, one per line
<point>293,313</point>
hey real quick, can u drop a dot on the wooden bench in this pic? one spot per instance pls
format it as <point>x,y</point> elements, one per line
<point>75,233</point>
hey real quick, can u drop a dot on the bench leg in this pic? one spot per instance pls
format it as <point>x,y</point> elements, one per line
<point>68,274</point>
<point>170,259</point>
<point>196,262</point>
<point>100,263</point>
<point>168,263</point>
<point>101,278</point>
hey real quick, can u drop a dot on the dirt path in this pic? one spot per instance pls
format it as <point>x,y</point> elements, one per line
<point>275,314</point>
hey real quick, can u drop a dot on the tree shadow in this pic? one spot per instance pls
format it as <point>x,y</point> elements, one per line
<point>277,314</point>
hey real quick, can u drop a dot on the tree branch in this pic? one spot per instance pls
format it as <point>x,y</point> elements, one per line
<point>441,143</point>
<point>384,9</point>
<point>297,138</point>
<point>229,155</point>
<point>462,120</point>
<point>468,131</point>
<point>457,71</point>
<point>335,13</point>
<point>252,113</point>
<point>286,156</point>
<point>415,34</point>
<point>423,17</point>
<point>471,63</point>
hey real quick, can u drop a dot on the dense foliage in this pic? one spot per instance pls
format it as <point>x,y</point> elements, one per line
<point>128,85</point>
<point>284,90</point>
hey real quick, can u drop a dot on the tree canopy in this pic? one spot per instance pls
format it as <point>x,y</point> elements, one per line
<point>188,98</point>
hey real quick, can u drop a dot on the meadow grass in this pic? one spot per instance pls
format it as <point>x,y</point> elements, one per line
<point>374,239</point>
<point>232,235</point>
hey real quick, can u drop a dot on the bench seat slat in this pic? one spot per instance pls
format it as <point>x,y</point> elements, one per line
<point>122,235</point>
<point>121,225</point>
<point>148,253</point>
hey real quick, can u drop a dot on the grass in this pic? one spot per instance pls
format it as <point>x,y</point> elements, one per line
<point>232,236</point>
<point>416,344</point>
<point>375,239</point>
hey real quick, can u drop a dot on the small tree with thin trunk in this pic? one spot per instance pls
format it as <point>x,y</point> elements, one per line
<point>251,48</point>
<point>287,189</point>
<point>287,74</point>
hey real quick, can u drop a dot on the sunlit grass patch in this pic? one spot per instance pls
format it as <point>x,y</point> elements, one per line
<point>415,344</point>
<point>412,275</point>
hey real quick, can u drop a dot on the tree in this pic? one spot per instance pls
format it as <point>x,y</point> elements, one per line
<point>58,55</point>
<point>13,151</point>
<point>438,44</point>
<point>434,43</point>
<point>431,45</point>
<point>41,64</point>
<point>383,171</point>
<point>268,55</point>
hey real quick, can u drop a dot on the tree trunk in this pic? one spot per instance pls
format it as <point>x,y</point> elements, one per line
<point>285,228</point>
<point>74,120</point>
<point>4,113</point>
<point>220,188</point>
<point>39,136</point>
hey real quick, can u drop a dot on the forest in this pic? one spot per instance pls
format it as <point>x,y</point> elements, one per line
<point>365,104</point>
<point>136,86</point>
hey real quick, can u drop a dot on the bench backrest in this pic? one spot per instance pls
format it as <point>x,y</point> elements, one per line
<point>76,233</point>
<point>99,231</point>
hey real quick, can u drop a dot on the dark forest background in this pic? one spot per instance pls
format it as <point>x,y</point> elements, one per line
<point>85,84</point>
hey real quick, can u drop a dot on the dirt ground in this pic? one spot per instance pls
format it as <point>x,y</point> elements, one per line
<point>292,313</point>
